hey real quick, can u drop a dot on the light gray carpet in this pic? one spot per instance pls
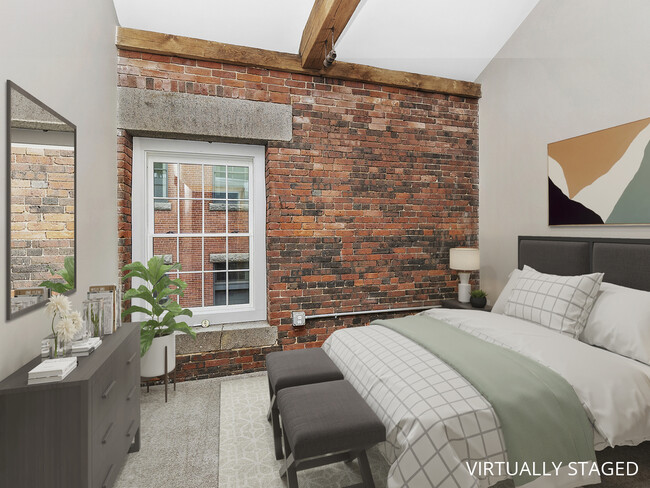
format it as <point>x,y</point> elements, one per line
<point>181,445</point>
<point>179,439</point>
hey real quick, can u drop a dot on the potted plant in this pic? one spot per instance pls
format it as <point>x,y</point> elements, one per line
<point>157,331</point>
<point>478,299</point>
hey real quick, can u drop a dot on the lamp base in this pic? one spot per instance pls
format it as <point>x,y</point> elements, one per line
<point>464,288</point>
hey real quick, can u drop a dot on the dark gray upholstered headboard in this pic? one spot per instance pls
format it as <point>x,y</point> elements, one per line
<point>625,262</point>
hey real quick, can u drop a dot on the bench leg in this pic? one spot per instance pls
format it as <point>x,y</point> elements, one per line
<point>277,429</point>
<point>289,468</point>
<point>271,404</point>
<point>351,457</point>
<point>366,474</point>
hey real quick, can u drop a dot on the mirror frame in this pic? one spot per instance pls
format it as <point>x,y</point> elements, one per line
<point>12,86</point>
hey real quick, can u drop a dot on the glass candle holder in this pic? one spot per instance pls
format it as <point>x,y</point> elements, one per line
<point>94,317</point>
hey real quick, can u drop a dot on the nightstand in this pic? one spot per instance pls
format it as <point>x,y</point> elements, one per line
<point>465,306</point>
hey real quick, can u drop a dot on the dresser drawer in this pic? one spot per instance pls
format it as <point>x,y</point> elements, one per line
<point>130,360</point>
<point>107,388</point>
<point>105,476</point>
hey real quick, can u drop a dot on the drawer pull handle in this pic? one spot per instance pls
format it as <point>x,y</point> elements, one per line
<point>131,393</point>
<point>108,433</point>
<point>108,476</point>
<point>132,358</point>
<point>128,432</point>
<point>108,390</point>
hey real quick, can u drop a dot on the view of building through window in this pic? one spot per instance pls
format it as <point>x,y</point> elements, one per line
<point>201,219</point>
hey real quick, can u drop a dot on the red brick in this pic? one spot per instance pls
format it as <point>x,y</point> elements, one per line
<point>363,203</point>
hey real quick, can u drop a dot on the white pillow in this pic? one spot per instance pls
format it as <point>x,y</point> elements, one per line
<point>561,303</point>
<point>620,322</point>
<point>500,305</point>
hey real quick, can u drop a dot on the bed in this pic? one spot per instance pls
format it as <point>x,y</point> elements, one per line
<point>441,427</point>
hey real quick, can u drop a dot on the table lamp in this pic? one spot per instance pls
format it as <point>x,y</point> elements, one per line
<point>464,260</point>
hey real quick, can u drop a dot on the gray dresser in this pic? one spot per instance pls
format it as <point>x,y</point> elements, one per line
<point>75,433</point>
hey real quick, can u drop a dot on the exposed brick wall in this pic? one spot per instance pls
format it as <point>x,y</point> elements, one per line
<point>363,203</point>
<point>124,177</point>
<point>42,213</point>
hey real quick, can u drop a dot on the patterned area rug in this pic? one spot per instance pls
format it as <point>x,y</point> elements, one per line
<point>246,454</point>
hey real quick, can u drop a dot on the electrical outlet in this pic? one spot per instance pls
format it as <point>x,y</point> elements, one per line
<point>298,319</point>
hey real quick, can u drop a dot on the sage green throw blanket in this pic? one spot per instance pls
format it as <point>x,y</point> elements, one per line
<point>541,417</point>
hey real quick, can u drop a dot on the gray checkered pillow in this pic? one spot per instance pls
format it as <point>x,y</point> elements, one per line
<point>561,303</point>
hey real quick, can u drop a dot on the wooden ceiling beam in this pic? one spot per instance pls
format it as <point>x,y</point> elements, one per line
<point>327,19</point>
<point>187,47</point>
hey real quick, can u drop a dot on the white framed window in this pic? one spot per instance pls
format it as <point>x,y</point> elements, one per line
<point>204,205</point>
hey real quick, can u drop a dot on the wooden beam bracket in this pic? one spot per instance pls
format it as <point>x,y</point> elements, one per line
<point>326,22</point>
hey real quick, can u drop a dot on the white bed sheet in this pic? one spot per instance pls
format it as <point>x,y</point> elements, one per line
<point>614,390</point>
<point>428,407</point>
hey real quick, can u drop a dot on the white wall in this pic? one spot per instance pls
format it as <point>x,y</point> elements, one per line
<point>63,53</point>
<point>572,67</point>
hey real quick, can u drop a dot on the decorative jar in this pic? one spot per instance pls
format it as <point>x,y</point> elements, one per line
<point>94,316</point>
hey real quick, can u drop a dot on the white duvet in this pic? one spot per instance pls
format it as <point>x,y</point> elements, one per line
<point>428,408</point>
<point>614,390</point>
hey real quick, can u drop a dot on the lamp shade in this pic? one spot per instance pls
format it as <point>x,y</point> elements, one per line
<point>464,259</point>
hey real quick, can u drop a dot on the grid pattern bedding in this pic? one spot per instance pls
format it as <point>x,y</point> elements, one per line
<point>436,421</point>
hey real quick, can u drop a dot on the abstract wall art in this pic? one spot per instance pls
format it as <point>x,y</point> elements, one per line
<point>601,178</point>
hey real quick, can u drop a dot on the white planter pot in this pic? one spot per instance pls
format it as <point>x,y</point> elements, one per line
<point>152,363</point>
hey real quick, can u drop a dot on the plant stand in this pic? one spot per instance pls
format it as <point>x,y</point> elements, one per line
<point>165,376</point>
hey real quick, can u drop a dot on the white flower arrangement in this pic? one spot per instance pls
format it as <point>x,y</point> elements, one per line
<point>66,329</point>
<point>70,322</point>
<point>58,304</point>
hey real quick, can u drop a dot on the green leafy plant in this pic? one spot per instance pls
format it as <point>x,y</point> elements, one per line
<point>67,273</point>
<point>157,293</point>
<point>478,294</point>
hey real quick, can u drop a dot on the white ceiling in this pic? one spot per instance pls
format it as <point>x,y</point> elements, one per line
<point>449,38</point>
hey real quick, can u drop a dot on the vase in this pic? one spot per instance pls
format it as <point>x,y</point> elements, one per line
<point>58,347</point>
<point>94,316</point>
<point>478,302</point>
<point>152,363</point>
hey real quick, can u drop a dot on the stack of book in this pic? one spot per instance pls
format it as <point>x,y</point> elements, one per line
<point>51,370</point>
<point>85,347</point>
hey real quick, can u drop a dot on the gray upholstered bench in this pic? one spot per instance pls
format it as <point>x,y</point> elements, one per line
<point>324,423</point>
<point>294,368</point>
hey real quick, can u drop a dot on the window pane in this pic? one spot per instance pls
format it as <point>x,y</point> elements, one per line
<point>238,264</point>
<point>214,252</point>
<point>190,181</point>
<point>165,216</point>
<point>165,247</point>
<point>237,216</point>
<point>191,216</point>
<point>215,216</point>
<point>215,289</point>
<point>215,180</point>
<point>238,181</point>
<point>238,249</point>
<point>190,253</point>
<point>192,297</point>
<point>173,275</point>
<point>160,180</point>
<point>238,287</point>
<point>165,179</point>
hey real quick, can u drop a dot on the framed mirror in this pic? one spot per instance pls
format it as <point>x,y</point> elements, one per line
<point>41,201</point>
